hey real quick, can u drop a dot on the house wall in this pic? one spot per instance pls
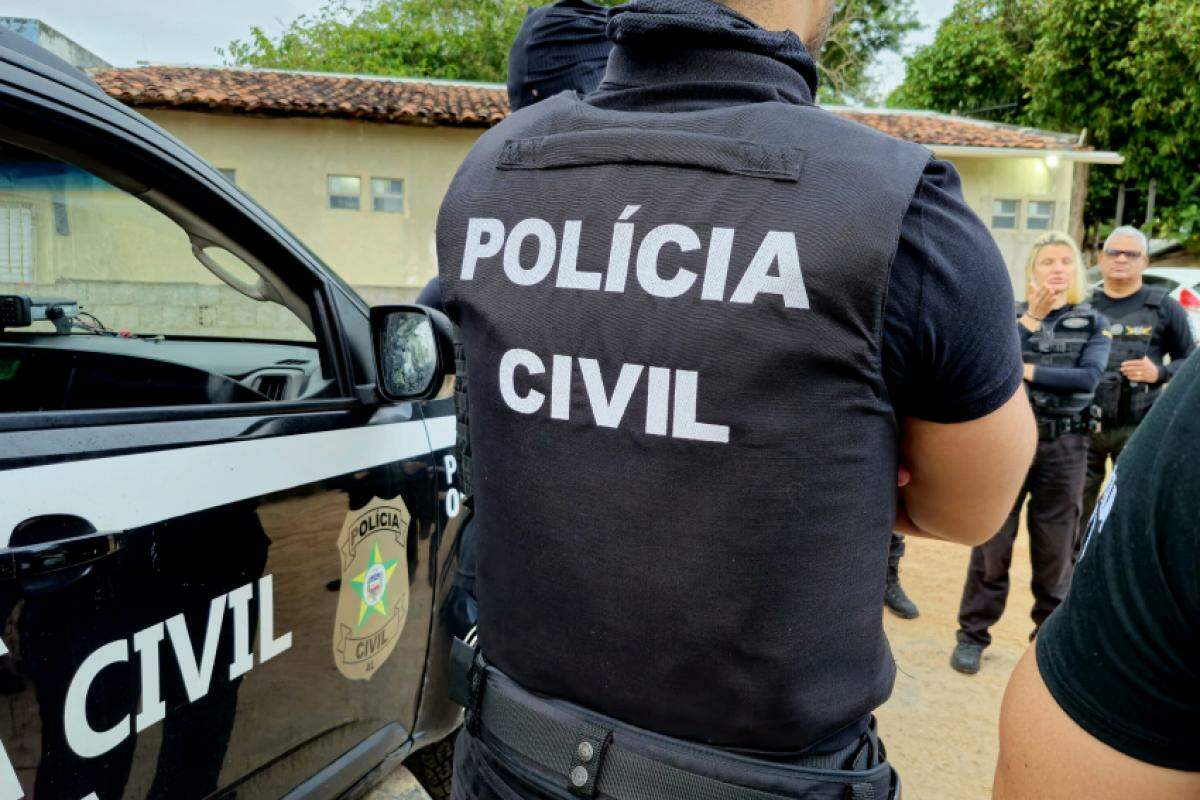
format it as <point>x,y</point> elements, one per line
<point>284,164</point>
<point>986,180</point>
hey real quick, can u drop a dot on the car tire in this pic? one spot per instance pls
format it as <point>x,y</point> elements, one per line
<point>433,767</point>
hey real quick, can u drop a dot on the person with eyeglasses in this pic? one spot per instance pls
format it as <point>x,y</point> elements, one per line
<point>1147,325</point>
<point>1065,344</point>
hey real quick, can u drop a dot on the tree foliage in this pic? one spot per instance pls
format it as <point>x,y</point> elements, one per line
<point>470,40</point>
<point>1127,71</point>
<point>976,62</point>
<point>859,31</point>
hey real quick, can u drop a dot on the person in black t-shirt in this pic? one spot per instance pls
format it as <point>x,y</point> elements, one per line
<point>1066,345</point>
<point>1146,325</point>
<point>1107,705</point>
<point>561,47</point>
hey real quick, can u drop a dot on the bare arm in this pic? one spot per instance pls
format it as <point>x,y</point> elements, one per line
<point>965,476</point>
<point>1045,755</point>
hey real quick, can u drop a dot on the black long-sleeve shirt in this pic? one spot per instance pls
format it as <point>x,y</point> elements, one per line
<point>1173,337</point>
<point>1085,376</point>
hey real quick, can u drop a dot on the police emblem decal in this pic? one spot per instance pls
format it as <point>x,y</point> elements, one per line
<point>373,601</point>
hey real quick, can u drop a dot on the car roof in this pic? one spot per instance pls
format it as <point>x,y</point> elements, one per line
<point>18,50</point>
<point>1188,276</point>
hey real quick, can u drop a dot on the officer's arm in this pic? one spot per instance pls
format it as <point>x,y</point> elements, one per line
<point>1178,341</point>
<point>966,475</point>
<point>1045,755</point>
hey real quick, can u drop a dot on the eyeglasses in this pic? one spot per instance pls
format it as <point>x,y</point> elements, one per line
<point>1132,255</point>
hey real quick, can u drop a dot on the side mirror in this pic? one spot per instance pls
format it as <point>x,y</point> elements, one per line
<point>414,351</point>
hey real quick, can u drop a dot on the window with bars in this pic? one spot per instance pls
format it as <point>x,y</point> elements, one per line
<point>1040,216</point>
<point>1004,214</point>
<point>387,195</point>
<point>16,243</point>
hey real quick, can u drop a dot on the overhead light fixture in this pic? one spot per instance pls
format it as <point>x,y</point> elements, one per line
<point>1052,161</point>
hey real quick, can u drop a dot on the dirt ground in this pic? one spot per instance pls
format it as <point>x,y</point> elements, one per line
<point>941,727</point>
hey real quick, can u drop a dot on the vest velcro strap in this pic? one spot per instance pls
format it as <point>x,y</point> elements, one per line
<point>639,146</point>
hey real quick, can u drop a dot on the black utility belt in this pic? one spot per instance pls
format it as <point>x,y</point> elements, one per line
<point>567,747</point>
<point>1051,428</point>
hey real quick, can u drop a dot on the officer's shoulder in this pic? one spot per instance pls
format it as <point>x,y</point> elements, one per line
<point>846,125</point>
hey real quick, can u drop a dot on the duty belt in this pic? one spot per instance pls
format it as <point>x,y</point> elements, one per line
<point>1050,428</point>
<point>595,755</point>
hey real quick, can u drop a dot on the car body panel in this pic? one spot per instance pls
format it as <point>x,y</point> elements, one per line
<point>208,600</point>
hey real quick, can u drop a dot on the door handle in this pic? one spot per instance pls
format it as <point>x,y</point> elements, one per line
<point>52,543</point>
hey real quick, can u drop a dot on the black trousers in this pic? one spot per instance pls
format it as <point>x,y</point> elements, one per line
<point>1102,446</point>
<point>1054,487</point>
<point>895,553</point>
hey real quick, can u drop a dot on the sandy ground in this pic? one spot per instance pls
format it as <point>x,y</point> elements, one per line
<point>940,727</point>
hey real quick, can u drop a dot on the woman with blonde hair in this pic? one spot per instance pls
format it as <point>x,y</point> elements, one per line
<point>1065,343</point>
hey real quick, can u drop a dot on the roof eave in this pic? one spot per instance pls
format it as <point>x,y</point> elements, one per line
<point>1105,157</point>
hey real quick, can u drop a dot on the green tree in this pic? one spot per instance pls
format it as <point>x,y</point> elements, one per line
<point>470,39</point>
<point>859,31</point>
<point>1163,131</point>
<point>975,64</point>
<point>455,39</point>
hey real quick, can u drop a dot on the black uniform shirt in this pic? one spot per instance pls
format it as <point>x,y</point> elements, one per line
<point>1173,338</point>
<point>1085,376</point>
<point>560,47</point>
<point>1122,653</point>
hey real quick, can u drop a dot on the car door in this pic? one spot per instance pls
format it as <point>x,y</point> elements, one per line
<point>215,575</point>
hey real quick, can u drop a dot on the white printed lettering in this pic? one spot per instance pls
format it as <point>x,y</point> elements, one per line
<point>530,403</point>
<point>647,260</point>
<point>268,645</point>
<point>569,277</point>
<point>145,644</point>
<point>560,388</point>
<point>478,247</point>
<point>541,231</point>
<point>608,412</point>
<point>86,741</point>
<point>685,425</point>
<point>618,256</point>
<point>658,398</point>
<point>778,247</point>
<point>720,246</point>
<point>239,606</point>
<point>197,673</point>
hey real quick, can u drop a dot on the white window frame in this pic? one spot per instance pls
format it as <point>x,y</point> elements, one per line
<point>1016,215</point>
<point>1030,216</point>
<point>17,252</point>
<point>389,195</point>
<point>330,194</point>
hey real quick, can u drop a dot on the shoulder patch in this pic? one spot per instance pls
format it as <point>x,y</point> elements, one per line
<point>1076,322</point>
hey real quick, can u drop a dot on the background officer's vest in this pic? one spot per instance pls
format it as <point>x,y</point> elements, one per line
<point>684,457</point>
<point>1060,345</point>
<point>1122,402</point>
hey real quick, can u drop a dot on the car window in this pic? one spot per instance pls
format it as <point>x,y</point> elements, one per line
<point>108,302</point>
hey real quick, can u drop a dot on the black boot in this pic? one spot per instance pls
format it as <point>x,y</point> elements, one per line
<point>897,601</point>
<point>966,657</point>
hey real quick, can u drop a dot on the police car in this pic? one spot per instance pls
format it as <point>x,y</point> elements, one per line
<point>223,549</point>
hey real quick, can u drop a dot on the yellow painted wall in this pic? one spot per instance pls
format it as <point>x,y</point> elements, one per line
<point>284,164</point>
<point>987,179</point>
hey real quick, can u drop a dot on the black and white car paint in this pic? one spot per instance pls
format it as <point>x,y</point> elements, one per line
<point>170,573</point>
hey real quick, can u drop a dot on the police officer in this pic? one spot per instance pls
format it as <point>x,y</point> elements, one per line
<point>1065,343</point>
<point>705,322</point>
<point>1146,325</point>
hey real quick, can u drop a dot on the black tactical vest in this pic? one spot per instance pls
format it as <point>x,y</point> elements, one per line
<point>684,457</point>
<point>1060,344</point>
<point>1123,402</point>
